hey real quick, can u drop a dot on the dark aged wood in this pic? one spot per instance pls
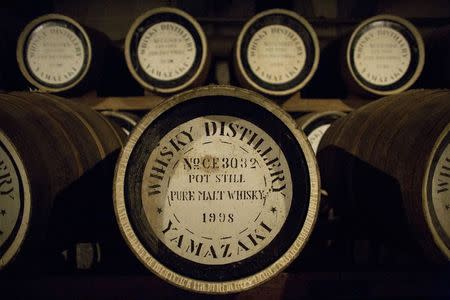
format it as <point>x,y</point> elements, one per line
<point>307,119</point>
<point>374,165</point>
<point>307,285</point>
<point>314,125</point>
<point>126,121</point>
<point>293,104</point>
<point>67,152</point>
<point>308,122</point>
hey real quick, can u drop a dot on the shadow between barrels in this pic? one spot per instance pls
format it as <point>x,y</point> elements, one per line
<point>83,214</point>
<point>373,231</point>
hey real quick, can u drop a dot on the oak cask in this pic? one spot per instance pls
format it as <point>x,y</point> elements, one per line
<point>126,121</point>
<point>314,125</point>
<point>57,55</point>
<point>384,55</point>
<point>166,51</point>
<point>216,191</point>
<point>52,161</point>
<point>277,53</point>
<point>386,168</point>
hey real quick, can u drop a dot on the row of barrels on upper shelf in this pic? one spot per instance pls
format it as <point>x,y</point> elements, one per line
<point>216,190</point>
<point>276,53</point>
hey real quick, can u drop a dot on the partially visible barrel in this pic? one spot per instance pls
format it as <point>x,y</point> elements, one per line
<point>216,191</point>
<point>57,55</point>
<point>166,51</point>
<point>386,169</point>
<point>277,53</point>
<point>314,125</point>
<point>48,149</point>
<point>384,55</point>
<point>126,121</point>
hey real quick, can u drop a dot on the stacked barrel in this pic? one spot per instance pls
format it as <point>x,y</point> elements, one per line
<point>385,55</point>
<point>166,51</point>
<point>56,54</point>
<point>49,146</point>
<point>217,189</point>
<point>277,53</point>
<point>212,198</point>
<point>385,168</point>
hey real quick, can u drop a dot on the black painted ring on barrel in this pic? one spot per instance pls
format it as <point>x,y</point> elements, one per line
<point>140,27</point>
<point>126,121</point>
<point>294,23</point>
<point>17,176</point>
<point>73,76</point>
<point>216,273</point>
<point>416,49</point>
<point>431,190</point>
<point>314,125</point>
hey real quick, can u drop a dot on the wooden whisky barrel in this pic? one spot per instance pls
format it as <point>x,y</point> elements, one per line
<point>320,253</point>
<point>384,55</point>
<point>126,121</point>
<point>166,51</point>
<point>57,55</point>
<point>314,125</point>
<point>48,146</point>
<point>385,167</point>
<point>277,53</point>
<point>216,191</point>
